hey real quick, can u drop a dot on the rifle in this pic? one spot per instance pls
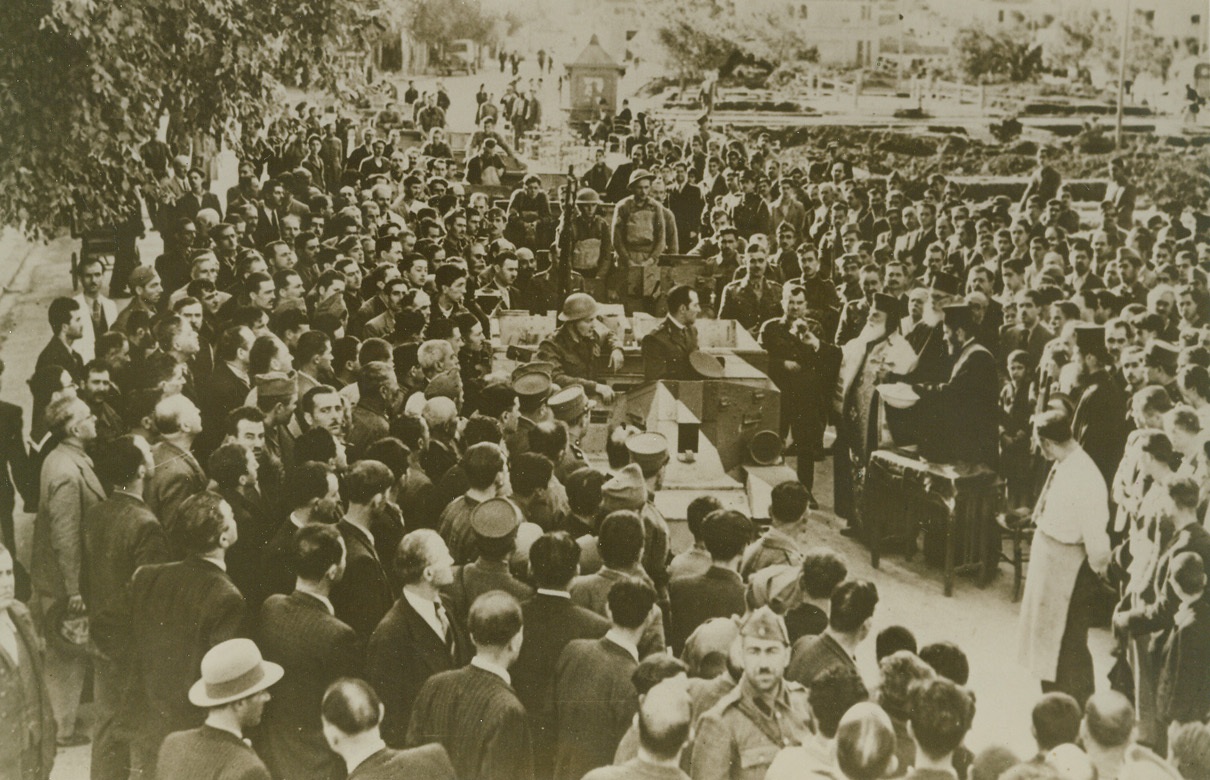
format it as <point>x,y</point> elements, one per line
<point>567,236</point>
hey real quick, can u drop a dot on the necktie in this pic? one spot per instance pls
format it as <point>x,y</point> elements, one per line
<point>98,317</point>
<point>446,635</point>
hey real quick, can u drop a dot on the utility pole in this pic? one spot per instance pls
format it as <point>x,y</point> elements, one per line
<point>1122,73</point>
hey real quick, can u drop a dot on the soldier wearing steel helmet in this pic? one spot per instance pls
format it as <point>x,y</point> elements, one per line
<point>580,348</point>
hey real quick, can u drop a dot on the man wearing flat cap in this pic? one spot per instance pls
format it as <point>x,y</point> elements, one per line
<point>578,349</point>
<point>638,231</point>
<point>739,736</point>
<point>1099,424</point>
<point>494,524</point>
<point>959,417</point>
<point>233,690</point>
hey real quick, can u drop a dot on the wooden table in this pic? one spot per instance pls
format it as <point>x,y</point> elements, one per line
<point>904,493</point>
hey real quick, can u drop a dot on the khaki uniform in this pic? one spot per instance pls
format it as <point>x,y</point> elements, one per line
<point>738,738</point>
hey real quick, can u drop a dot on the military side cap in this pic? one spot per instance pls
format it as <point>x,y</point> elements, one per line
<point>276,384</point>
<point>1002,201</point>
<point>946,283</point>
<point>1161,354</point>
<point>625,490</point>
<point>141,275</point>
<point>649,451</point>
<point>569,403</point>
<point>764,623</point>
<point>705,365</point>
<point>1090,338</point>
<point>532,385</point>
<point>495,518</point>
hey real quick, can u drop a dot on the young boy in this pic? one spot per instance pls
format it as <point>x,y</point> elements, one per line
<point>1015,408</point>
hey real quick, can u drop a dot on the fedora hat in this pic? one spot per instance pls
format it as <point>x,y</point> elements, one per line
<point>578,306</point>
<point>231,671</point>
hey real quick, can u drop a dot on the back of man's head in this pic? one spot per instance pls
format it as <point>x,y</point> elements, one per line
<point>1056,720</point>
<point>852,605</point>
<point>554,560</point>
<point>664,720</point>
<point>1108,719</point>
<point>865,743</point>
<point>788,502</point>
<point>630,603</point>
<point>351,706</point>
<point>941,714</point>
<point>494,619</point>
<point>832,694</point>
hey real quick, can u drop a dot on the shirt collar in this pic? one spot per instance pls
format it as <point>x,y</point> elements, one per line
<point>296,520</point>
<point>561,594</point>
<point>321,598</point>
<point>674,323</point>
<point>619,639</point>
<point>481,663</point>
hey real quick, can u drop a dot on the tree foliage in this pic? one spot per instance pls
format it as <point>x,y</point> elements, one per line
<point>84,83</point>
<point>1008,53</point>
<point>437,22</point>
<point>1084,37</point>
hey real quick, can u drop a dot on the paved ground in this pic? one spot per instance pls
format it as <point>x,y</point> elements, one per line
<point>983,622</point>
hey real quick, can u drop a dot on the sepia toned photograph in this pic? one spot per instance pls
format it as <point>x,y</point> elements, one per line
<point>604,390</point>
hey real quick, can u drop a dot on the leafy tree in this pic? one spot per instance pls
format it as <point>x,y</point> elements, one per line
<point>84,84</point>
<point>1085,36</point>
<point>694,35</point>
<point>1008,53</point>
<point>437,22</point>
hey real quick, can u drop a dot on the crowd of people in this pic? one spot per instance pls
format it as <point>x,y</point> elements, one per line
<point>292,520</point>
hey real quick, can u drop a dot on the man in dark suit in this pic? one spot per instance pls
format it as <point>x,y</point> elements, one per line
<point>301,632</point>
<point>364,594</point>
<point>719,592</point>
<point>1029,334</point>
<point>178,612</point>
<point>666,349</point>
<point>66,317</point>
<point>594,699</point>
<point>177,474</point>
<point>1099,424</point>
<point>120,534</point>
<point>417,638</point>
<point>16,476</point>
<point>804,365</point>
<point>351,713</point>
<point>311,489</point>
<point>552,622</point>
<point>278,204</point>
<point>852,608</point>
<point>233,691</point>
<point>27,730</point>
<point>473,711</point>
<point>228,385</point>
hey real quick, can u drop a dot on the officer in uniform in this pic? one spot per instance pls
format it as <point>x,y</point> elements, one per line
<point>739,737</point>
<point>804,366</point>
<point>570,406</point>
<point>754,298</point>
<point>666,349</point>
<point>533,385</point>
<point>650,452</point>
